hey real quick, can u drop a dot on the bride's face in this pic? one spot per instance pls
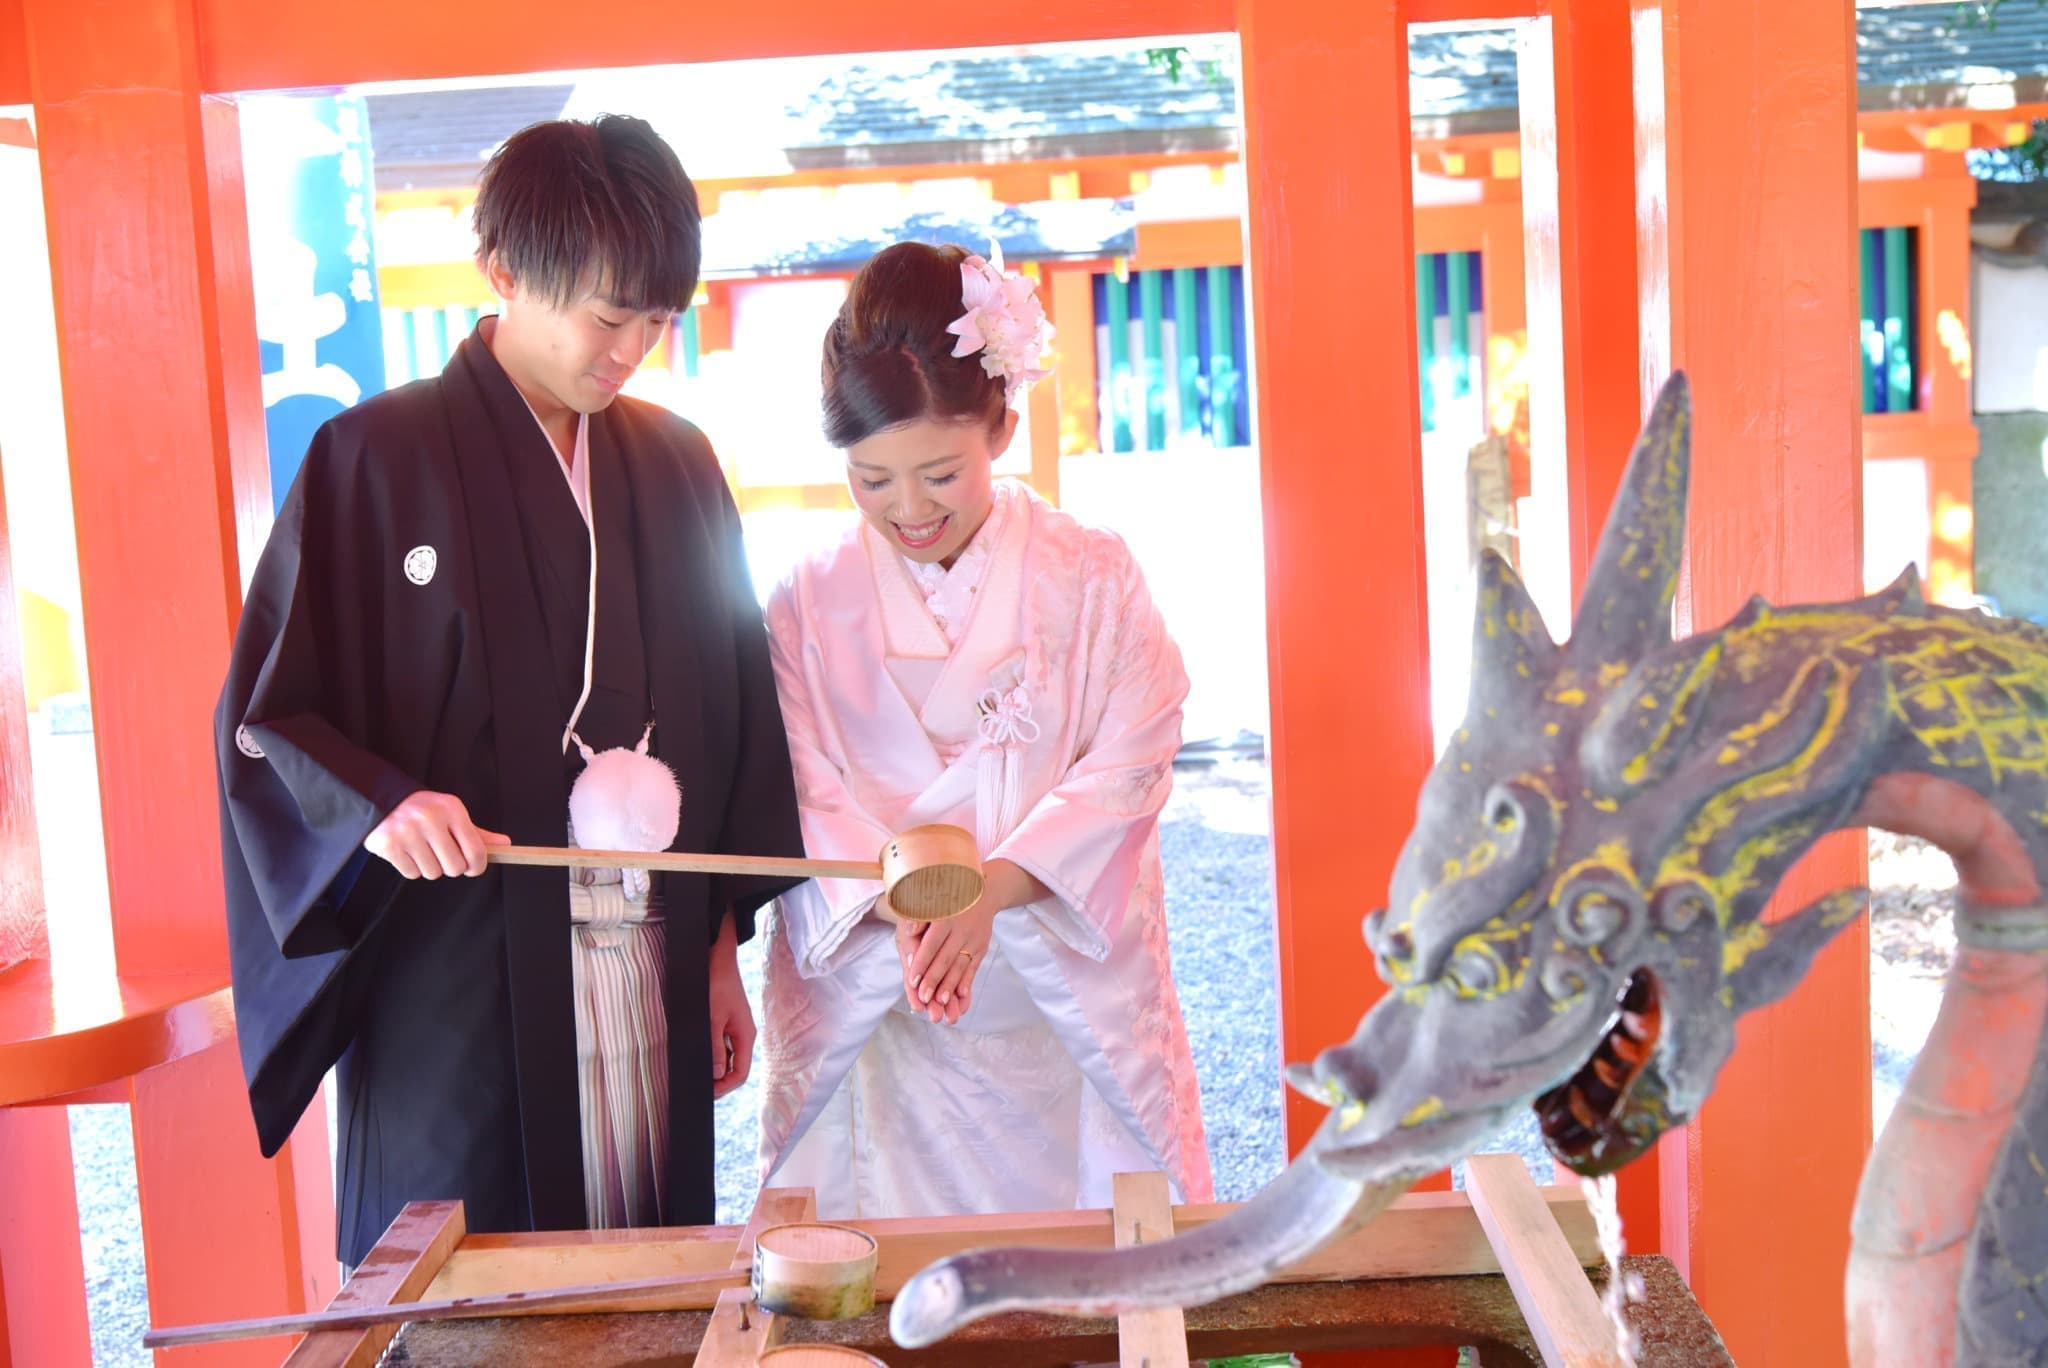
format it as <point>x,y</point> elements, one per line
<point>927,486</point>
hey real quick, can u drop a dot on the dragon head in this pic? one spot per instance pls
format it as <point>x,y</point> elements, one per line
<point>1574,922</point>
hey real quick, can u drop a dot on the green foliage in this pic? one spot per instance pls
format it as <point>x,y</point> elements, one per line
<point>1970,13</point>
<point>1174,60</point>
<point>2031,156</point>
<point>2024,161</point>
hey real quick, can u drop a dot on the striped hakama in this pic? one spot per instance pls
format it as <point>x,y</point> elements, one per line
<point>617,951</point>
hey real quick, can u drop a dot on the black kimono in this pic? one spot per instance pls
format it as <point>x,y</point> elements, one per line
<point>417,621</point>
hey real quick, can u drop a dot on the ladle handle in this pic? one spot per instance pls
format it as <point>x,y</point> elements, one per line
<point>769,865</point>
<point>588,1297</point>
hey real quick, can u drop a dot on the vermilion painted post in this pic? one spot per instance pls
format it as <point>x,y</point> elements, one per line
<point>1945,367</point>
<point>1338,418</point>
<point>150,267</point>
<point>1747,139</point>
<point>1586,395</point>
<point>1338,415</point>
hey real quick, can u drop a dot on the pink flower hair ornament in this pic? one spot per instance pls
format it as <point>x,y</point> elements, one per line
<point>1004,321</point>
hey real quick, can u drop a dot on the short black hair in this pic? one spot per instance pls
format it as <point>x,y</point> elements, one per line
<point>569,206</point>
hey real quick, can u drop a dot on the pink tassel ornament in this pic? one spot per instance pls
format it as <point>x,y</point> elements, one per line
<point>625,799</point>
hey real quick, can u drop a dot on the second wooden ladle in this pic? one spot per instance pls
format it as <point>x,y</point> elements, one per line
<point>810,1269</point>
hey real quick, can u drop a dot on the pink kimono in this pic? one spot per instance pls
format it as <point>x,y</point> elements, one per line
<point>1031,695</point>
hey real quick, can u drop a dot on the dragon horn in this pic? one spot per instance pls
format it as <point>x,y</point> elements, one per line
<point>1626,607</point>
<point>1509,640</point>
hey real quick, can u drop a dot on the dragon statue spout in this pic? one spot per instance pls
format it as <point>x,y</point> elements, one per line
<point>1575,924</point>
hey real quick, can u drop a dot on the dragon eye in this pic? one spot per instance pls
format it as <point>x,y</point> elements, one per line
<point>1397,944</point>
<point>1476,972</point>
<point>1502,813</point>
<point>1393,948</point>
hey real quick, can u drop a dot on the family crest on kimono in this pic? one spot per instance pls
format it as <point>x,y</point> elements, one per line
<point>477,584</point>
<point>970,655</point>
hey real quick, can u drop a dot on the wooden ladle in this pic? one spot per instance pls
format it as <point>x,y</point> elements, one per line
<point>931,872</point>
<point>807,1269</point>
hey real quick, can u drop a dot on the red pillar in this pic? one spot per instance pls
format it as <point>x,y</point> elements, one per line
<point>42,1271</point>
<point>150,266</point>
<point>1586,393</point>
<point>1338,415</point>
<point>13,55</point>
<point>1747,136</point>
<point>1339,424</point>
<point>1945,365</point>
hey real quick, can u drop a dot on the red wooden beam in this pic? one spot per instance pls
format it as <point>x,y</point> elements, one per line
<point>1333,324</point>
<point>1578,185</point>
<point>1473,11</point>
<point>13,55</point>
<point>141,354</point>
<point>1945,367</point>
<point>1746,117</point>
<point>156,341</point>
<point>259,44</point>
<point>253,45</point>
<point>1325,101</point>
<point>42,1269</point>
<point>1906,203</point>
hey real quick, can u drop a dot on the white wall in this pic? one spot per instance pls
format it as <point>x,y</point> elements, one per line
<point>32,450</point>
<point>2009,311</point>
<point>1194,521</point>
<point>1192,518</point>
<point>1895,520</point>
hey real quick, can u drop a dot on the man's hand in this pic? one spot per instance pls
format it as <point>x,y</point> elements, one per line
<point>430,835</point>
<point>732,1020</point>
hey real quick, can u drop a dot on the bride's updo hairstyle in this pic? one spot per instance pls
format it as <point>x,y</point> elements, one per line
<point>889,357</point>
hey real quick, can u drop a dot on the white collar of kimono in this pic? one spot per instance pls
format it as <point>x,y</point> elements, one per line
<point>945,588</point>
<point>576,469</point>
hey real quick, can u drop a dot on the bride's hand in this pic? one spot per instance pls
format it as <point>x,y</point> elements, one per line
<point>948,954</point>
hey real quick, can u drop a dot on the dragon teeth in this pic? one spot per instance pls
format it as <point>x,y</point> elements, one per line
<point>1581,1109</point>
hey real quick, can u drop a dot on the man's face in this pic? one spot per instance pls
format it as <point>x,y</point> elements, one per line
<point>578,356</point>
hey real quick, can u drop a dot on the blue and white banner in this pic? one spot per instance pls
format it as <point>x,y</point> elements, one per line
<point>312,216</point>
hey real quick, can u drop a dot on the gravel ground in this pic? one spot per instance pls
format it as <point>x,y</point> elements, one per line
<point>1218,857</point>
<point>1912,943</point>
<point>110,1227</point>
